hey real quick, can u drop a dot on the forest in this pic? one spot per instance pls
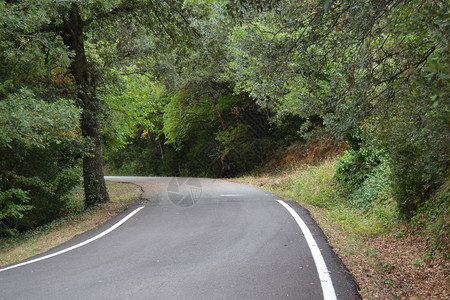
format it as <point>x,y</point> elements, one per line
<point>216,88</point>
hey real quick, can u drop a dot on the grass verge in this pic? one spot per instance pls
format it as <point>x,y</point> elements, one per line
<point>389,259</point>
<point>42,239</point>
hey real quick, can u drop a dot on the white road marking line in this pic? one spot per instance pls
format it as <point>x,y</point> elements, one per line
<point>115,226</point>
<point>321,267</point>
<point>230,195</point>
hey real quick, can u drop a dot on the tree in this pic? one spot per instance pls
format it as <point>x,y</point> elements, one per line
<point>73,35</point>
<point>76,22</point>
<point>358,65</point>
<point>201,78</point>
<point>39,137</point>
<point>72,30</point>
<point>39,146</point>
<point>135,110</point>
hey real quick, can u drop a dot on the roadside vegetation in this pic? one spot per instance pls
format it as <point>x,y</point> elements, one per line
<point>390,258</point>
<point>216,88</point>
<point>76,221</point>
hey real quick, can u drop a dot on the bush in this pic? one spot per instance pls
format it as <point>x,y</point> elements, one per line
<point>39,150</point>
<point>433,216</point>
<point>375,189</point>
<point>12,206</point>
<point>355,167</point>
<point>46,176</point>
<point>363,178</point>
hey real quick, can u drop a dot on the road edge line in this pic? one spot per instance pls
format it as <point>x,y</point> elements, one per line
<point>115,226</point>
<point>321,267</point>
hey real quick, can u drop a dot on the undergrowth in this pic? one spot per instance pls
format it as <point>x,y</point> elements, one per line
<point>389,256</point>
<point>433,220</point>
<point>315,188</point>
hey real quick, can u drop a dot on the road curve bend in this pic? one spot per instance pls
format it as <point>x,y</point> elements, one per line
<point>190,238</point>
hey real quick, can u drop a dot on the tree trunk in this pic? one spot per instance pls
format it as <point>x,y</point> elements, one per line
<point>94,181</point>
<point>226,167</point>
<point>161,147</point>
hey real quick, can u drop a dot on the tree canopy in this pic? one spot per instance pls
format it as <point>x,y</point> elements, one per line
<point>214,88</point>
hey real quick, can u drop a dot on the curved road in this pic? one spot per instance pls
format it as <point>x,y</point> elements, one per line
<point>190,239</point>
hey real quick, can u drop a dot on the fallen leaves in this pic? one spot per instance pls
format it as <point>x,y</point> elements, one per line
<point>395,268</point>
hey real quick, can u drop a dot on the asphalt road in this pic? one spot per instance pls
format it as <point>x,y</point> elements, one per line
<point>189,239</point>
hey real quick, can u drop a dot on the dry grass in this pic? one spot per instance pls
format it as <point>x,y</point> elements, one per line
<point>312,152</point>
<point>34,242</point>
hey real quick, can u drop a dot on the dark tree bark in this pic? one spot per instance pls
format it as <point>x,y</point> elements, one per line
<point>83,73</point>
<point>161,147</point>
<point>226,167</point>
<point>215,97</point>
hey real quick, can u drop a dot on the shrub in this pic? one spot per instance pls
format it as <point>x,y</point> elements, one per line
<point>46,176</point>
<point>12,206</point>
<point>363,176</point>
<point>355,167</point>
<point>39,150</point>
<point>374,189</point>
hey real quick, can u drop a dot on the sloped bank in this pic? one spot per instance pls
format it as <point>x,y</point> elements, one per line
<point>389,258</point>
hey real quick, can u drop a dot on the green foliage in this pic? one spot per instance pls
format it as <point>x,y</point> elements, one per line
<point>380,67</point>
<point>27,53</point>
<point>363,176</point>
<point>355,167</point>
<point>375,189</point>
<point>433,217</point>
<point>314,185</point>
<point>12,206</point>
<point>212,88</point>
<point>182,113</point>
<point>315,188</point>
<point>39,146</point>
<point>417,138</point>
<point>48,177</point>
<point>193,140</point>
<point>34,122</point>
<point>135,108</point>
<point>229,139</point>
